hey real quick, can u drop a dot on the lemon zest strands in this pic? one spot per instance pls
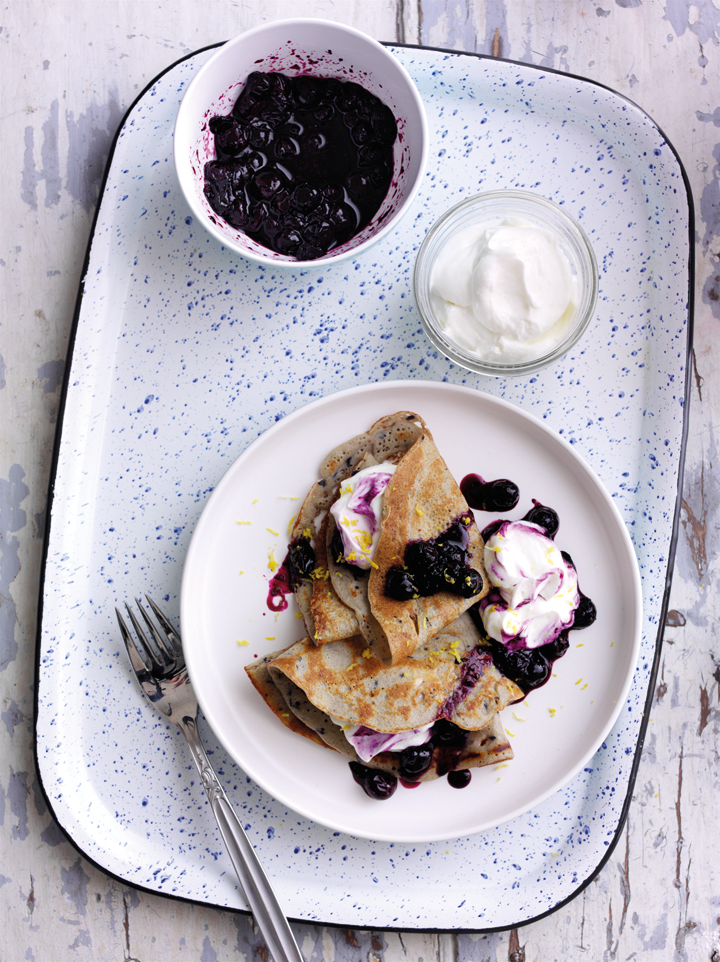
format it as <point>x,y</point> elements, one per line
<point>364,540</point>
<point>242,641</point>
<point>272,563</point>
<point>454,652</point>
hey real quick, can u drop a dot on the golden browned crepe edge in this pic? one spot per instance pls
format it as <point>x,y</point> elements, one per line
<point>332,619</point>
<point>267,689</point>
<point>385,439</point>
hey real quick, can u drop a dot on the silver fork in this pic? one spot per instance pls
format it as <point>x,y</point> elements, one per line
<point>163,678</point>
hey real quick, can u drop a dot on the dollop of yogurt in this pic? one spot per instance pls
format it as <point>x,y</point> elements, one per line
<point>358,512</point>
<point>535,590</point>
<point>504,291</point>
<point>368,743</point>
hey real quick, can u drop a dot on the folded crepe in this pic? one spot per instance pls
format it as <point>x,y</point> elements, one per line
<point>320,692</point>
<point>422,501</point>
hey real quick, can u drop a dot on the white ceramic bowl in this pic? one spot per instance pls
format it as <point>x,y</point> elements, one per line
<point>300,47</point>
<point>491,209</point>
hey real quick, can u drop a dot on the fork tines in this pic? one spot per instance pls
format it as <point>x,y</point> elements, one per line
<point>159,655</point>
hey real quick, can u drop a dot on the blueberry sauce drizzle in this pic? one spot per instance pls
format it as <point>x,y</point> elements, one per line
<point>280,587</point>
<point>449,741</point>
<point>473,667</point>
<point>299,563</point>
<point>302,163</point>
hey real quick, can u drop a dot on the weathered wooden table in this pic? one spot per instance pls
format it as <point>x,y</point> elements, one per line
<point>68,73</point>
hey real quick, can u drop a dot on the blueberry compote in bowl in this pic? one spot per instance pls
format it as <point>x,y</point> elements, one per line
<point>288,170</point>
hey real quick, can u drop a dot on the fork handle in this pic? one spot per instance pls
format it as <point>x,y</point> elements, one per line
<point>254,882</point>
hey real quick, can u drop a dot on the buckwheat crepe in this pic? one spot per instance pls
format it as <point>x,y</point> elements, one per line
<point>326,617</point>
<point>421,501</point>
<point>318,691</point>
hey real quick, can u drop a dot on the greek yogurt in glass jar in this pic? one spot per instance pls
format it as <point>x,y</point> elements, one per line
<point>505,282</point>
<point>504,291</point>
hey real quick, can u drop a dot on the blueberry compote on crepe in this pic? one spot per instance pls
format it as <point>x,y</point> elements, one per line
<point>303,163</point>
<point>437,564</point>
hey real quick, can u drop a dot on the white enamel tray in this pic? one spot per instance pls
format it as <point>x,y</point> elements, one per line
<point>183,355</point>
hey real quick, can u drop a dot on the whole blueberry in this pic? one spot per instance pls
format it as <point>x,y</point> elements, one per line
<point>415,759</point>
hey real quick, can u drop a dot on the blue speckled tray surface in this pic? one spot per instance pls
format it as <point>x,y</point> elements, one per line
<point>184,354</point>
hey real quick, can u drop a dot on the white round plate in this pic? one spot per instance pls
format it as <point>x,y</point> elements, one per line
<point>226,624</point>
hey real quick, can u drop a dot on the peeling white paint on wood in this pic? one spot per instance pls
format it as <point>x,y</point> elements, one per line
<point>68,73</point>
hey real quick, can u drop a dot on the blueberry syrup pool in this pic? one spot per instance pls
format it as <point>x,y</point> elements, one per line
<point>302,163</point>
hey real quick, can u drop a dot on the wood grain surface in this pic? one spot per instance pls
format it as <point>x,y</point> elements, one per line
<point>68,72</point>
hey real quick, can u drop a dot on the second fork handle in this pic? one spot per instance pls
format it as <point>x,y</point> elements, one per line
<point>254,882</point>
